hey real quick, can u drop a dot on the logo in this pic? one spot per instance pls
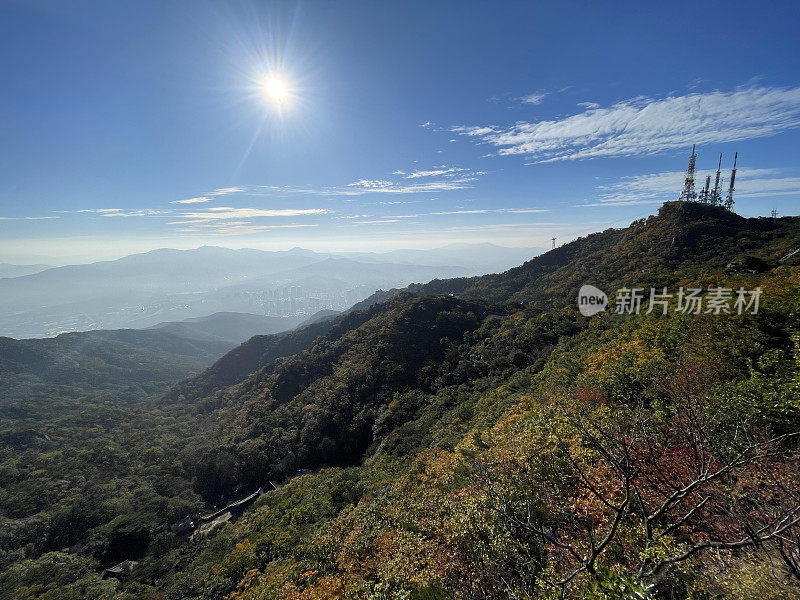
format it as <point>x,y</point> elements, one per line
<point>591,300</point>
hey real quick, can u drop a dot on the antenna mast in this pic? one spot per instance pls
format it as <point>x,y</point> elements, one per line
<point>554,243</point>
<point>729,200</point>
<point>715,195</point>
<point>704,194</point>
<point>688,194</point>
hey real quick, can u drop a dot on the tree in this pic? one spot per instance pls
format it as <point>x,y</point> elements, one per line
<point>638,494</point>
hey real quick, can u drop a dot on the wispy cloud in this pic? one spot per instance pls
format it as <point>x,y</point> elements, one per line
<point>198,200</point>
<point>535,98</point>
<point>436,172</point>
<point>27,218</point>
<point>371,184</point>
<point>549,227</point>
<point>358,188</point>
<point>121,212</point>
<point>648,126</point>
<point>225,213</point>
<point>484,211</point>
<point>238,228</point>
<point>437,179</point>
<point>393,202</point>
<point>477,211</point>
<point>225,191</point>
<point>654,188</point>
<point>376,222</point>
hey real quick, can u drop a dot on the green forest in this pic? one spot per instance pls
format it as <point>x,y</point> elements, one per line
<point>464,439</point>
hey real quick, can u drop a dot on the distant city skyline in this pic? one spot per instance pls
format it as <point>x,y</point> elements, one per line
<point>358,126</point>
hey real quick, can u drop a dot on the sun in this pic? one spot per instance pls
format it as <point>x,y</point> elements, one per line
<point>276,90</point>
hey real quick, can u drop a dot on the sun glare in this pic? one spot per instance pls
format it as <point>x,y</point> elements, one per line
<point>276,90</point>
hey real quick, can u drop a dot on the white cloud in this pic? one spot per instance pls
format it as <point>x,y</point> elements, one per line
<point>505,226</point>
<point>436,172</point>
<point>226,191</point>
<point>27,218</point>
<point>535,98</point>
<point>223,213</point>
<point>648,126</point>
<point>376,222</point>
<point>439,178</point>
<point>589,105</point>
<point>366,186</point>
<point>484,211</point>
<point>198,200</point>
<point>144,212</point>
<point>237,228</point>
<point>371,183</point>
<point>120,212</point>
<point>478,211</point>
<point>394,202</point>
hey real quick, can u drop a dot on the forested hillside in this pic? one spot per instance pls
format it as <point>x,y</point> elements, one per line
<point>477,438</point>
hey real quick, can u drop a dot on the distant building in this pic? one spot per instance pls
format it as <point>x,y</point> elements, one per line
<point>126,566</point>
<point>305,471</point>
<point>183,526</point>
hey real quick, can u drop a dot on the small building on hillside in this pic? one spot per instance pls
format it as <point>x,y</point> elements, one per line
<point>305,472</point>
<point>117,571</point>
<point>183,526</point>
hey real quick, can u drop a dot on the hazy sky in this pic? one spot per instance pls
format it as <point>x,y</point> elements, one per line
<point>135,125</point>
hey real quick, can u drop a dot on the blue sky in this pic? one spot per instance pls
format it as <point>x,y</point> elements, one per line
<point>132,126</point>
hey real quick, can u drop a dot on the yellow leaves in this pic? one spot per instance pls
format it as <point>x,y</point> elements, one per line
<point>238,562</point>
<point>329,587</point>
<point>406,557</point>
<point>634,351</point>
<point>751,576</point>
<point>248,583</point>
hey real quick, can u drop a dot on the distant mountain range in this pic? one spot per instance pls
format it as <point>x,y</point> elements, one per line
<point>167,285</point>
<point>9,270</point>
<point>480,258</point>
<point>230,327</point>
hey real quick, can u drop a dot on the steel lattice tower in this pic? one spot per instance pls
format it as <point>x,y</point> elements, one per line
<point>729,200</point>
<point>716,197</point>
<point>688,194</point>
